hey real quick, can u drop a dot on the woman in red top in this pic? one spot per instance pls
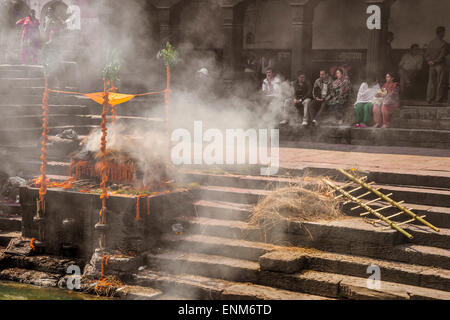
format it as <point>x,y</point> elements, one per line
<point>30,38</point>
<point>389,101</point>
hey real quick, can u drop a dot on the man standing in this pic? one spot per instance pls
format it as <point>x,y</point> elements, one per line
<point>321,95</point>
<point>435,57</point>
<point>410,64</point>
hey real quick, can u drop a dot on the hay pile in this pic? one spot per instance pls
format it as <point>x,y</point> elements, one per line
<point>301,201</point>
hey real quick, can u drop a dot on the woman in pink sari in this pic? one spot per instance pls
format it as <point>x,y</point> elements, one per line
<point>388,100</point>
<point>30,38</point>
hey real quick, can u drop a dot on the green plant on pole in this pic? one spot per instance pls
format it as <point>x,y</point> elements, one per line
<point>112,68</point>
<point>169,55</point>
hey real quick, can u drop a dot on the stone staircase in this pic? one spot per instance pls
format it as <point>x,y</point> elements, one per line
<point>21,88</point>
<point>415,124</point>
<point>222,256</point>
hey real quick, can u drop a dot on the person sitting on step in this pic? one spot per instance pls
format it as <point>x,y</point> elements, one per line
<point>302,98</point>
<point>364,101</point>
<point>340,91</point>
<point>389,100</point>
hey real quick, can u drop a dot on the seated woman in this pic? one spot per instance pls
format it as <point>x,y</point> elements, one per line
<point>388,100</point>
<point>340,90</point>
<point>363,104</point>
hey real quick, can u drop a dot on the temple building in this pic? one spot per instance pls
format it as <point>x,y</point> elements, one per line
<point>288,35</point>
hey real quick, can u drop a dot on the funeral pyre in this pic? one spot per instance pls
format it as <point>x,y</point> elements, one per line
<point>135,163</point>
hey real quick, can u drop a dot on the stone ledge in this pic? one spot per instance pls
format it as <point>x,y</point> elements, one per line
<point>282,261</point>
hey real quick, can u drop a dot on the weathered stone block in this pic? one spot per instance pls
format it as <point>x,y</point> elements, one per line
<point>19,246</point>
<point>282,261</point>
<point>137,293</point>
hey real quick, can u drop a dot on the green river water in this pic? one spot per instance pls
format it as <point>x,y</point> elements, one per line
<point>19,291</point>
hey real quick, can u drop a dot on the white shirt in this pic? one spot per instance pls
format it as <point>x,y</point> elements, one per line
<point>366,94</point>
<point>272,90</point>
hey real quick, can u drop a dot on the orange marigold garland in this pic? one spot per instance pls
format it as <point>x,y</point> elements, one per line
<point>43,179</point>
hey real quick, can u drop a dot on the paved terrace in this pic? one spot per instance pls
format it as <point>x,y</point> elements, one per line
<point>299,155</point>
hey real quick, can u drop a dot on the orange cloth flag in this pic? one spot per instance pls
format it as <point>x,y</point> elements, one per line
<point>113,97</point>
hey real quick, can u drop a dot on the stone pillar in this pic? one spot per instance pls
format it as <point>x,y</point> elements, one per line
<point>233,29</point>
<point>303,13</point>
<point>164,24</point>
<point>377,39</point>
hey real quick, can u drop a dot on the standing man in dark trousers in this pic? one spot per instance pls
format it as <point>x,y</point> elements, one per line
<point>435,57</point>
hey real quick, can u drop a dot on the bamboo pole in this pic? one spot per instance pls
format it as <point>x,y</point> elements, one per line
<point>379,216</point>
<point>43,186</point>
<point>167,105</point>
<point>387,199</point>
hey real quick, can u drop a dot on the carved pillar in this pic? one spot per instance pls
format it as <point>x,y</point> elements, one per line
<point>233,28</point>
<point>377,39</point>
<point>228,52</point>
<point>164,24</point>
<point>303,13</point>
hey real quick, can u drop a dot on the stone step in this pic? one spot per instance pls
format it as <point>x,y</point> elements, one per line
<point>236,180</point>
<point>347,287</point>
<point>251,178</point>
<point>437,216</point>
<point>21,67</point>
<point>195,287</point>
<point>35,97</point>
<point>421,255</point>
<point>422,113</point>
<point>37,90</point>
<point>366,235</point>
<point>223,228</point>
<point>34,121</point>
<point>11,223</point>
<point>239,195</point>
<point>232,248</point>
<point>205,265</point>
<point>21,82</point>
<point>20,74</point>
<point>53,167</point>
<point>222,210</point>
<point>32,135</point>
<point>36,109</point>
<point>311,282</point>
<point>438,124</point>
<point>57,149</point>
<point>411,137</point>
<point>345,236</point>
<point>415,195</point>
<point>7,236</point>
<point>425,138</point>
<point>293,260</point>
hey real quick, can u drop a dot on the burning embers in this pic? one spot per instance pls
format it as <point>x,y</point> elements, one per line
<point>119,168</point>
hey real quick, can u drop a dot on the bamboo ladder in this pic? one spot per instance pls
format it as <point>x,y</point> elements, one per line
<point>361,184</point>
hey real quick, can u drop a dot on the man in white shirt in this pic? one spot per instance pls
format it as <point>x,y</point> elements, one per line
<point>271,84</point>
<point>410,64</point>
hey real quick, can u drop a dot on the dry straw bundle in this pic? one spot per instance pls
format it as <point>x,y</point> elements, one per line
<point>303,199</point>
